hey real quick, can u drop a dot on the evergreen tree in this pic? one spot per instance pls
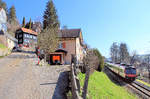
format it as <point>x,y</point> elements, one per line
<point>48,39</point>
<point>50,16</point>
<point>13,23</point>
<point>23,22</point>
<point>12,15</point>
<point>30,24</point>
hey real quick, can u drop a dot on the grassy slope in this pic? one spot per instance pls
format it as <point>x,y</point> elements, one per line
<point>100,87</point>
<point>2,46</point>
<point>5,49</point>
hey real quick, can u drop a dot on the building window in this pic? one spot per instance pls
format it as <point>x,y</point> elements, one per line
<point>34,37</point>
<point>26,41</point>
<point>62,45</point>
<point>25,35</point>
<point>30,36</point>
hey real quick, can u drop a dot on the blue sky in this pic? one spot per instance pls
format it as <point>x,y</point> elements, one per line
<point>102,21</point>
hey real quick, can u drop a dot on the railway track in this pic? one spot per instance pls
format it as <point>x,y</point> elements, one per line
<point>140,89</point>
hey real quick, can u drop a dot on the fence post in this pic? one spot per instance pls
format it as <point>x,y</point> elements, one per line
<point>75,83</point>
<point>85,87</point>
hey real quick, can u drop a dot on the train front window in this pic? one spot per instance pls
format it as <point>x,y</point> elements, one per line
<point>130,71</point>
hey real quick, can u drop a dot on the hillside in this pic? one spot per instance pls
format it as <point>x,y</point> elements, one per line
<point>100,87</point>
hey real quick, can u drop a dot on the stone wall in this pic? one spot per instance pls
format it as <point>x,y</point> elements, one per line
<point>4,52</point>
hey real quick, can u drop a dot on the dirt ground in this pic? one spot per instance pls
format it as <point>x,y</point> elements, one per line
<point>21,78</point>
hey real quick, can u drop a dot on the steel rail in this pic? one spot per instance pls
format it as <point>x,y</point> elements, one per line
<point>142,89</point>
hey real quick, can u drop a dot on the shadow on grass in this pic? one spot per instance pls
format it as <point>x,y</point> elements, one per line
<point>62,86</point>
<point>114,77</point>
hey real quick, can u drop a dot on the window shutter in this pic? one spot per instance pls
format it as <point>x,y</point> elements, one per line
<point>64,45</point>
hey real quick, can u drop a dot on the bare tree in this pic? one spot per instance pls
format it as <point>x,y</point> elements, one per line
<point>147,61</point>
<point>114,52</point>
<point>133,58</point>
<point>91,62</point>
<point>12,27</point>
<point>123,53</point>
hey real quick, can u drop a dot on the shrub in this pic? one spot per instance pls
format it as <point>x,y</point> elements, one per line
<point>101,59</point>
<point>91,61</point>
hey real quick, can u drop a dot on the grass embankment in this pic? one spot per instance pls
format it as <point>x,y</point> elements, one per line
<point>4,51</point>
<point>101,87</point>
<point>2,46</point>
<point>1,57</point>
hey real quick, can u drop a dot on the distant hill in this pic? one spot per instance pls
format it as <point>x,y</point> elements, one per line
<point>142,57</point>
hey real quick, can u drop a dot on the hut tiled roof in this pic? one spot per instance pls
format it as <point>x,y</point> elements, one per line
<point>29,31</point>
<point>69,33</point>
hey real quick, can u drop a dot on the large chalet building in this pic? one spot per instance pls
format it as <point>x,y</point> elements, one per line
<point>26,37</point>
<point>70,43</point>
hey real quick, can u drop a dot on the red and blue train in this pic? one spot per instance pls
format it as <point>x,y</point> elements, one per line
<point>126,71</point>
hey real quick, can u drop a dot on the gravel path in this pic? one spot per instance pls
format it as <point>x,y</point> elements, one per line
<point>21,78</point>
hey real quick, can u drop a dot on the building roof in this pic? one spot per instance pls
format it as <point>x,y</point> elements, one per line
<point>69,33</point>
<point>29,31</point>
